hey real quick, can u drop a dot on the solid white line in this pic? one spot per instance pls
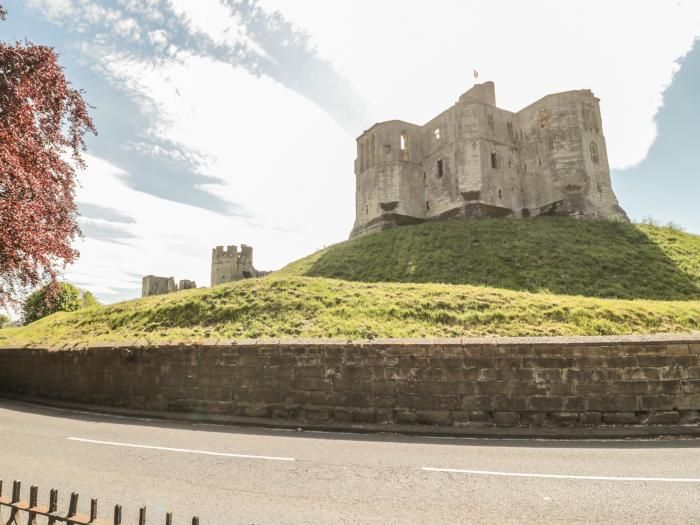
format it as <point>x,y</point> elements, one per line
<point>556,476</point>
<point>185,450</point>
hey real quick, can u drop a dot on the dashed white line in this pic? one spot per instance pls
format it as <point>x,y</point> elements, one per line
<point>183,450</point>
<point>558,476</point>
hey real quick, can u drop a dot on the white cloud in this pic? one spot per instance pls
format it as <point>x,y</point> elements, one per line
<point>158,37</point>
<point>411,60</point>
<point>280,156</point>
<point>215,20</point>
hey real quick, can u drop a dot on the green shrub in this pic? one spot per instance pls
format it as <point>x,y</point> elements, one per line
<point>89,300</point>
<point>45,301</point>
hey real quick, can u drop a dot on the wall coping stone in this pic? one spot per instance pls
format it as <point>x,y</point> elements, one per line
<point>687,338</point>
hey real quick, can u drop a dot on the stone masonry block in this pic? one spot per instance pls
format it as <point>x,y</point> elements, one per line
<point>545,404</point>
<point>613,403</point>
<point>590,418</point>
<point>563,419</point>
<point>620,418</point>
<point>661,418</point>
<point>506,419</point>
<point>533,419</point>
<point>657,402</point>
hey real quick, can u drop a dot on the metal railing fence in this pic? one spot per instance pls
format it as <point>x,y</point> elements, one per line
<point>30,511</point>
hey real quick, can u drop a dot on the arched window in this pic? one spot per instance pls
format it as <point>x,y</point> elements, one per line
<point>404,145</point>
<point>371,151</point>
<point>439,167</point>
<point>594,153</point>
<point>494,159</point>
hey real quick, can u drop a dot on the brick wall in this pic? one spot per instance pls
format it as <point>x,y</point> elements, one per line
<point>478,382</point>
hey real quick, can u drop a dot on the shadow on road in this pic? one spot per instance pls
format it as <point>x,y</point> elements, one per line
<point>599,443</point>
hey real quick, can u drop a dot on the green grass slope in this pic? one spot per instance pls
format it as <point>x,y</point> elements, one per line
<point>525,278</point>
<point>559,256</point>
<point>290,307</point>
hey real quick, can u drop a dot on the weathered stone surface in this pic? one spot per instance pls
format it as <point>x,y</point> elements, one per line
<point>231,265</point>
<point>620,418</point>
<point>661,418</point>
<point>154,285</point>
<point>506,419</point>
<point>564,418</point>
<point>477,160</point>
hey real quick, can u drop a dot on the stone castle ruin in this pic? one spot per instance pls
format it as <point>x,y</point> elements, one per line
<point>231,265</point>
<point>477,160</point>
<point>154,285</point>
<point>226,265</point>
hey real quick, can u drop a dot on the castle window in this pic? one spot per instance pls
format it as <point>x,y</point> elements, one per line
<point>539,161</point>
<point>427,205</point>
<point>371,151</point>
<point>594,153</point>
<point>439,168</point>
<point>436,133</point>
<point>494,160</point>
<point>500,194</point>
<point>510,129</point>
<point>489,120</point>
<point>404,145</point>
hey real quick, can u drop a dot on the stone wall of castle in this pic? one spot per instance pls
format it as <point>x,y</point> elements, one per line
<point>154,285</point>
<point>465,384</point>
<point>477,160</point>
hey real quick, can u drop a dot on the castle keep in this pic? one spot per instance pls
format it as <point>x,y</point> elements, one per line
<point>477,160</point>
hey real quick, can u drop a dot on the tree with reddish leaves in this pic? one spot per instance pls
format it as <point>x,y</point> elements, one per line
<point>43,121</point>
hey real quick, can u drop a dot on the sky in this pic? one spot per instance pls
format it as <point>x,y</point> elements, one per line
<point>234,121</point>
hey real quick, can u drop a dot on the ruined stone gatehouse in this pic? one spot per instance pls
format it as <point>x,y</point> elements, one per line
<point>232,265</point>
<point>477,160</point>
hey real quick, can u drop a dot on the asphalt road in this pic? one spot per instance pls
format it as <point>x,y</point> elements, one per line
<point>239,475</point>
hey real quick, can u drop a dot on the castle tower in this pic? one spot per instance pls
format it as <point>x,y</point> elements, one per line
<point>231,265</point>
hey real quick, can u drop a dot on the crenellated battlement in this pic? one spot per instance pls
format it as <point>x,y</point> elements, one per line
<point>232,265</point>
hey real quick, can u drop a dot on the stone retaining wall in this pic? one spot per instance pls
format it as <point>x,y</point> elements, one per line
<point>468,382</point>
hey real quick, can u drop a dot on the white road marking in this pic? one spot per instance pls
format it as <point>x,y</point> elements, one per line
<point>556,476</point>
<point>185,450</point>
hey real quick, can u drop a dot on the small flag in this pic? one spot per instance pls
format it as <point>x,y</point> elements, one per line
<point>476,74</point>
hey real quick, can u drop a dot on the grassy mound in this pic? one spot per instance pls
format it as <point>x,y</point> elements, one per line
<point>290,307</point>
<point>559,256</point>
<point>525,278</point>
